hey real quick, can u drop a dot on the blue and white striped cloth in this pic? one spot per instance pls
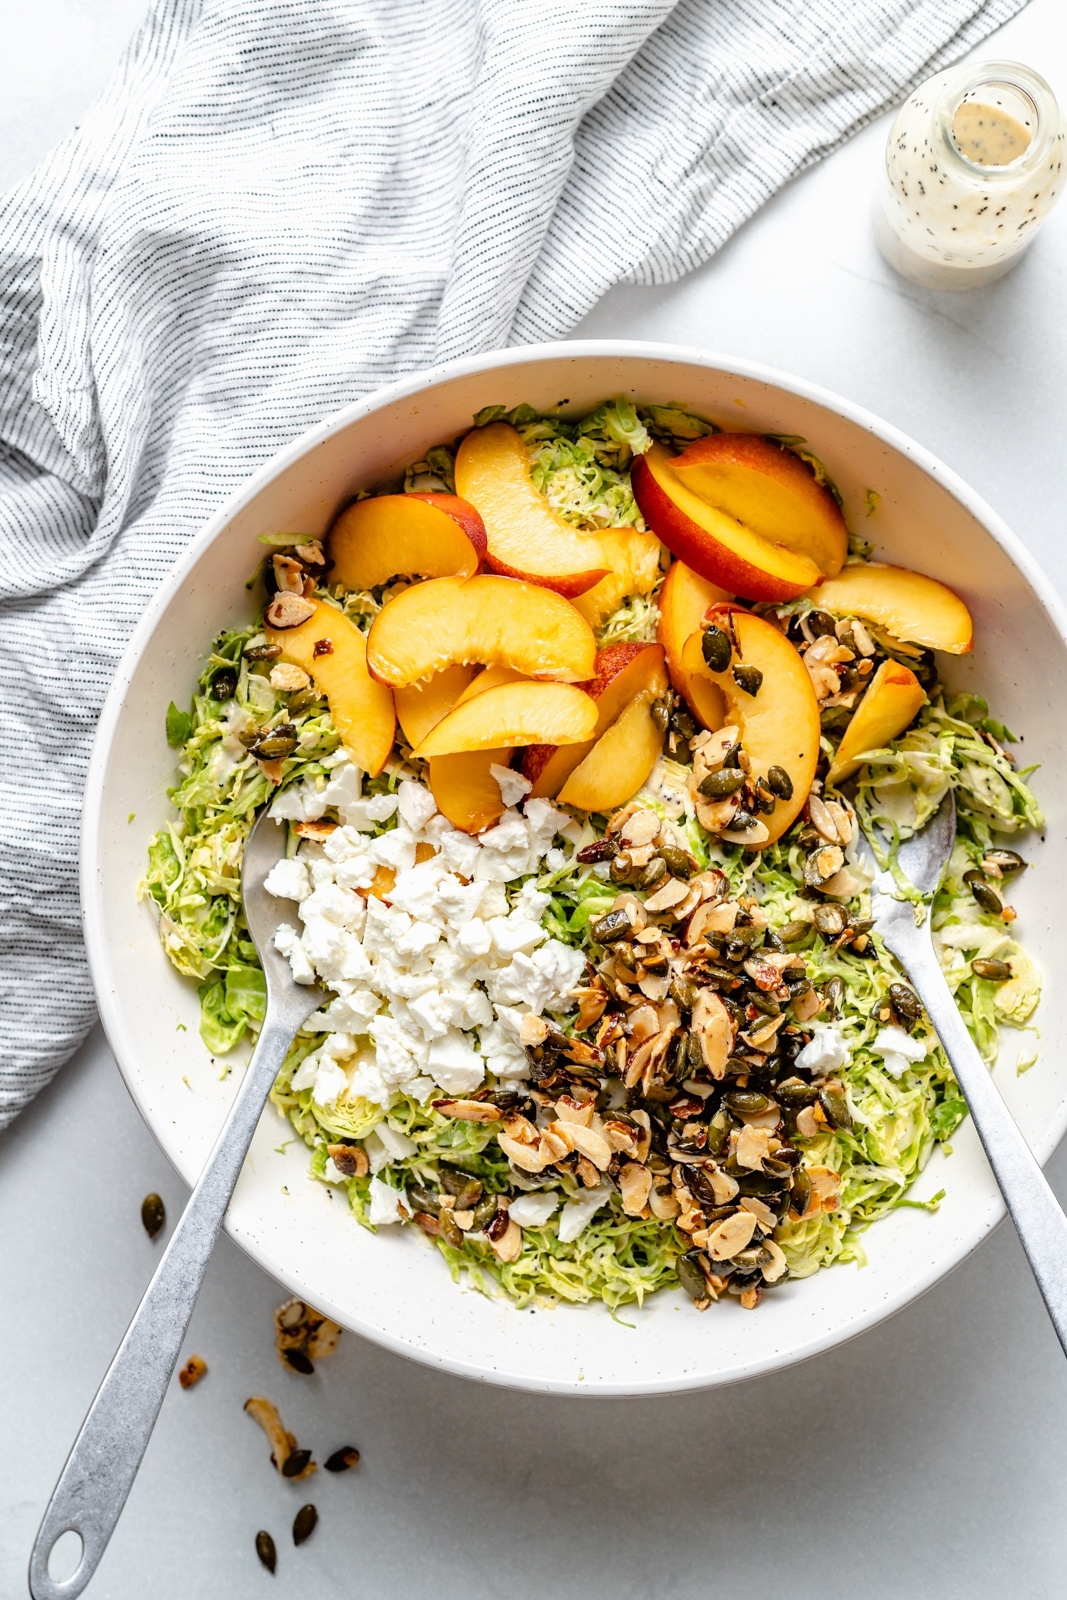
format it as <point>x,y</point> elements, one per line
<point>278,205</point>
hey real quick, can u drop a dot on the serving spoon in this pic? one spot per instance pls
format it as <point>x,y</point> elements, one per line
<point>99,1472</point>
<point>1035,1211</point>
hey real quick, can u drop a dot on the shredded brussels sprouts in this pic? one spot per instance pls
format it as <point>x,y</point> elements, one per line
<point>897,1118</point>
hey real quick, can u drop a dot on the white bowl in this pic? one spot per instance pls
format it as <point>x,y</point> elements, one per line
<point>391,1287</point>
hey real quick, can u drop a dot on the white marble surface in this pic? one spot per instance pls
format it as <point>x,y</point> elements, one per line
<point>926,1459</point>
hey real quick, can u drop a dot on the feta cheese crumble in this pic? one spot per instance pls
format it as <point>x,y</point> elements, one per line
<point>897,1049</point>
<point>431,984</point>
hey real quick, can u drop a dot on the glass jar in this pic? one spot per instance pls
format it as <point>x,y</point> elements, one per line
<point>974,164</point>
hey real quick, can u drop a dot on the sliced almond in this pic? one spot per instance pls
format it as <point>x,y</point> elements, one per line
<point>289,610</point>
<point>468,1110</point>
<point>508,1246</point>
<point>822,820</point>
<point>286,678</point>
<point>641,827</point>
<point>752,1147</point>
<point>731,1235</point>
<point>635,1186</point>
<point>575,1111</point>
<point>288,575</point>
<point>713,1026</point>
<point>533,1030</point>
<point>667,894</point>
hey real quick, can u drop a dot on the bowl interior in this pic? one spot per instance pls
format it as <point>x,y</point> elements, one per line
<point>390,1287</point>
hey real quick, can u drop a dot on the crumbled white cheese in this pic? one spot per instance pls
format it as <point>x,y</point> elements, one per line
<point>454,1063</point>
<point>512,785</point>
<point>430,985</point>
<point>826,1051</point>
<point>384,1144</point>
<point>533,1210</point>
<point>578,1213</point>
<point>384,1201</point>
<point>898,1050</point>
<point>332,1173</point>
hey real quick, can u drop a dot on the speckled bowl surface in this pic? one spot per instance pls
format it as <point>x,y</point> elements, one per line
<point>391,1287</point>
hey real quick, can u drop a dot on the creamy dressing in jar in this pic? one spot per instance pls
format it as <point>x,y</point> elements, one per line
<point>974,163</point>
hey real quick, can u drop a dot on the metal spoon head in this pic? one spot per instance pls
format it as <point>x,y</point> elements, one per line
<point>923,857</point>
<point>264,912</point>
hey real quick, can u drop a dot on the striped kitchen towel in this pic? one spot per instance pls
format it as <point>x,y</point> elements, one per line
<point>278,205</point>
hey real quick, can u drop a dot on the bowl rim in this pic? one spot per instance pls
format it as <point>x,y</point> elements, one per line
<point>92,815</point>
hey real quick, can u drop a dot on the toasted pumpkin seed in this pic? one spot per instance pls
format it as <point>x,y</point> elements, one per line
<point>484,1214</point>
<point>690,1275</point>
<point>262,652</point>
<point>780,783</point>
<point>660,714</point>
<point>717,785</point>
<point>745,1102</point>
<point>265,1550</point>
<point>275,744</point>
<point>800,1193</point>
<point>830,919</point>
<point>716,649</point>
<point>833,997</point>
<point>905,1002</point>
<point>224,683</point>
<point>153,1214</point>
<point>656,869</point>
<point>996,971</point>
<point>304,1524</point>
<point>299,1363</point>
<point>985,895</point>
<point>295,1461</point>
<point>622,867</point>
<point>678,861</point>
<point>749,679</point>
<point>794,932</point>
<point>794,1093</point>
<point>835,1107</point>
<point>611,927</point>
<point>341,1460</point>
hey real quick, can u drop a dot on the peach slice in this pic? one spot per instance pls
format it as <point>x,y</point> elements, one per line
<point>620,760</point>
<point>420,706</point>
<point>683,602</point>
<point>622,671</point>
<point>334,652</point>
<point>527,537</point>
<point>892,698</point>
<point>405,535</point>
<point>514,714</point>
<point>495,621</point>
<point>766,487</point>
<point>779,725</point>
<point>906,604</point>
<point>634,561</point>
<point>715,545</point>
<point>465,789</point>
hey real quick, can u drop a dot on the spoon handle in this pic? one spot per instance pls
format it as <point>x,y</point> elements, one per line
<point>1038,1217</point>
<point>103,1463</point>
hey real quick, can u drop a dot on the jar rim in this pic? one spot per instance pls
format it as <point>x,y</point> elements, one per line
<point>1021,80</point>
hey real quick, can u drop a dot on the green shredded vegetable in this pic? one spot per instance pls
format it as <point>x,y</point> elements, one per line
<point>193,878</point>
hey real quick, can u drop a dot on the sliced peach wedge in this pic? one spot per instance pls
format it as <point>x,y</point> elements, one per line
<point>891,700</point>
<point>779,724</point>
<point>633,559</point>
<point>766,487</point>
<point>492,620</point>
<point>420,706</point>
<point>621,760</point>
<point>623,671</point>
<point>333,652</point>
<point>405,535</point>
<point>683,602</point>
<point>465,789</point>
<point>907,604</point>
<point>714,544</point>
<point>514,714</point>
<point>527,537</point>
